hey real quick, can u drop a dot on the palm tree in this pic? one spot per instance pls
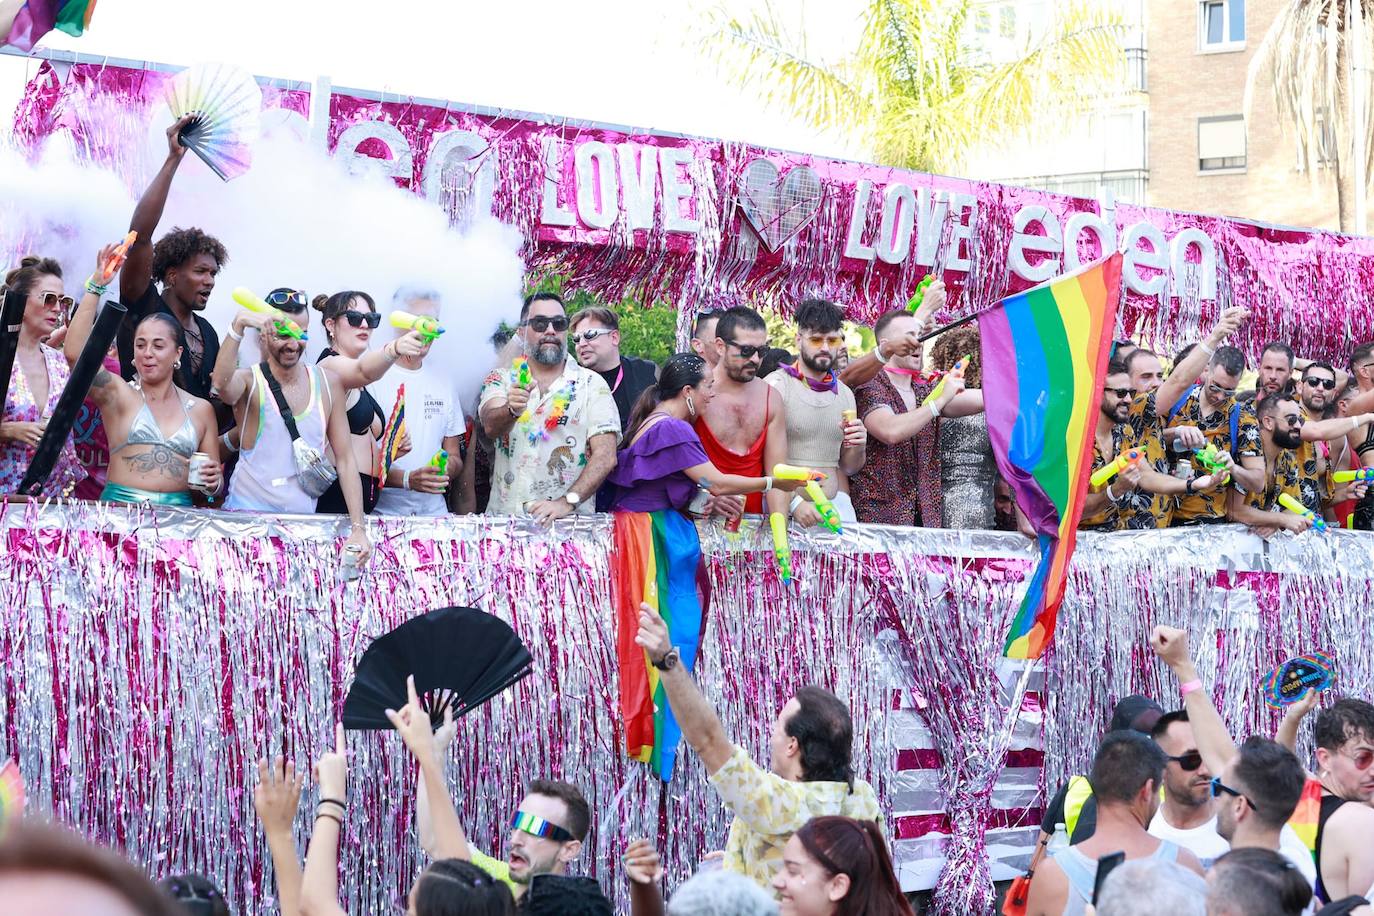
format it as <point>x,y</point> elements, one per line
<point>913,90</point>
<point>1309,54</point>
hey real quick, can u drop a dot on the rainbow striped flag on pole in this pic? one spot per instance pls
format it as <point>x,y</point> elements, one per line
<point>37,18</point>
<point>1046,353</point>
<point>392,434</point>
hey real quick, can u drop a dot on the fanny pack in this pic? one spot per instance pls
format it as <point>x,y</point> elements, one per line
<point>313,471</point>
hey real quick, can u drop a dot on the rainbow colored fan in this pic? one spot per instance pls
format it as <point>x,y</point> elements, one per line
<point>11,793</point>
<point>227,104</point>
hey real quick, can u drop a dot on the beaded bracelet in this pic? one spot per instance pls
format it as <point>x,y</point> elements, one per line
<point>94,287</point>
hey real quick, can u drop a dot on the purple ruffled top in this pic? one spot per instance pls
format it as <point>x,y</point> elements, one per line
<point>649,473</point>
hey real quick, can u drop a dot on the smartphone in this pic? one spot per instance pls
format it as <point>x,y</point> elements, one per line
<point>1104,868</point>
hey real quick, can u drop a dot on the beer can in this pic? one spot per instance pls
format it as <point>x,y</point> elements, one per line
<point>1184,469</point>
<point>195,475</point>
<point>348,567</point>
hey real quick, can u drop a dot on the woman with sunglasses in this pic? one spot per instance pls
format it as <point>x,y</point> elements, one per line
<point>837,866</point>
<point>154,426</point>
<point>350,317</point>
<point>37,379</point>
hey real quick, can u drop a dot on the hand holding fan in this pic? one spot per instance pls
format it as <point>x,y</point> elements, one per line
<point>460,658</point>
<point>226,105</point>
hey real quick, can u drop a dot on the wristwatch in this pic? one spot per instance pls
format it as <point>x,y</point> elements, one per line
<point>572,498</point>
<point>669,661</point>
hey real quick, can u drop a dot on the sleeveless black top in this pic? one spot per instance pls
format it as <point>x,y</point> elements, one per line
<point>361,413</point>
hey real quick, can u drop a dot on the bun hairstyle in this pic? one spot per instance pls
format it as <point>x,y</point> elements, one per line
<point>335,305</point>
<point>682,370</point>
<point>24,278</point>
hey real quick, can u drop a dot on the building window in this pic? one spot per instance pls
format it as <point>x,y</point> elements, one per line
<point>1221,143</point>
<point>1221,25</point>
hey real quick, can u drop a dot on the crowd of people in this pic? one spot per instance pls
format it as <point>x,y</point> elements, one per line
<point>174,419</point>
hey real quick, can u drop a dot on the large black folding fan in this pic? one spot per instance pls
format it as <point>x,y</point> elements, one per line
<point>460,657</point>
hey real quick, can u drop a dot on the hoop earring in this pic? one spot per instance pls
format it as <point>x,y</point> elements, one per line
<point>691,408</point>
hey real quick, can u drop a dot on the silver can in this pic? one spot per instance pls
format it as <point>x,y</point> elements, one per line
<point>195,475</point>
<point>1184,469</point>
<point>349,569</point>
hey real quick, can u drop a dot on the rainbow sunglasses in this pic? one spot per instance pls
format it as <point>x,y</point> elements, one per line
<point>537,826</point>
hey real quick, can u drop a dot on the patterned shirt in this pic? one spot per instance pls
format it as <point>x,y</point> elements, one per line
<point>15,457</point>
<point>769,809</point>
<point>898,484</point>
<point>1216,429</point>
<point>534,461</point>
<point>1303,473</point>
<point>1108,518</point>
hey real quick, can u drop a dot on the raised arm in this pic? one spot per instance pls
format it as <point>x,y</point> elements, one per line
<point>320,884</point>
<point>1213,738</point>
<point>138,270</point>
<point>699,723</point>
<point>1335,428</point>
<point>107,388</point>
<point>892,428</point>
<point>226,379</point>
<point>276,798</point>
<point>1186,373</point>
<point>372,365</point>
<point>645,872</point>
<point>412,723</point>
<point>866,367</point>
<point>1287,734</point>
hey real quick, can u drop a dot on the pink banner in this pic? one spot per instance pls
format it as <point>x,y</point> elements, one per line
<point>702,222</point>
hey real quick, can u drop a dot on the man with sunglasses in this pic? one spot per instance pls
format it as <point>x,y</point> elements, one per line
<point>744,431</point>
<point>556,437</point>
<point>1187,815</point>
<point>595,336</point>
<point>823,430</point>
<point>185,263</point>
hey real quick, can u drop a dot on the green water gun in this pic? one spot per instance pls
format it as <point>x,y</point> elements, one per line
<point>782,551</point>
<point>423,325</point>
<point>829,517</point>
<point>440,462</point>
<point>1297,508</point>
<point>1210,458</point>
<point>254,303</point>
<point>913,304</point>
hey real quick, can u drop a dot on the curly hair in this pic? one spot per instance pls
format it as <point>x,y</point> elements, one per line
<point>181,245</point>
<point>955,345</point>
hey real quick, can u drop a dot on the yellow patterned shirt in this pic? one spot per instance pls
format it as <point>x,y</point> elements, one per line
<point>1108,518</point>
<point>1216,429</point>
<point>1140,510</point>
<point>769,809</point>
<point>1303,473</point>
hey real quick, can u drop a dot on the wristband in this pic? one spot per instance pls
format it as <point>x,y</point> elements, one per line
<point>94,287</point>
<point>1194,684</point>
<point>1210,351</point>
<point>511,411</point>
<point>1111,497</point>
<point>934,410</point>
<point>333,801</point>
<point>878,355</point>
<point>405,480</point>
<point>332,817</point>
<point>389,354</point>
<point>232,336</point>
<point>767,484</point>
<point>1188,488</point>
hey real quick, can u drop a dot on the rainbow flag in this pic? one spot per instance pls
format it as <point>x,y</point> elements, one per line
<point>392,434</point>
<point>1050,346</point>
<point>37,18</point>
<point>654,560</point>
<point>1307,815</point>
<point>11,793</point>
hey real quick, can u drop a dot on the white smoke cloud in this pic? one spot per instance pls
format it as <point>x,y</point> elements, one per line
<point>297,219</point>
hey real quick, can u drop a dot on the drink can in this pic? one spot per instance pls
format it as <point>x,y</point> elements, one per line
<point>1184,469</point>
<point>348,567</point>
<point>195,474</point>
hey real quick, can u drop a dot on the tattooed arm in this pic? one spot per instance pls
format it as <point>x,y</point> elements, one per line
<point>109,392</point>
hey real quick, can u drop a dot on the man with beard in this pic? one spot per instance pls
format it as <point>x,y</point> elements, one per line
<point>556,437</point>
<point>744,430</point>
<point>185,263</point>
<point>266,478</point>
<point>900,482</point>
<point>1258,785</point>
<point>815,403</point>
<point>1129,499</point>
<point>1361,437</point>
<point>1275,373</point>
<point>1187,816</point>
<point>1281,423</point>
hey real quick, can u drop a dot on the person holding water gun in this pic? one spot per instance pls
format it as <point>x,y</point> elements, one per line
<point>1124,482</point>
<point>1295,497</point>
<point>823,429</point>
<point>433,416</point>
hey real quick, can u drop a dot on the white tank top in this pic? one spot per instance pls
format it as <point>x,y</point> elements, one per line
<point>265,478</point>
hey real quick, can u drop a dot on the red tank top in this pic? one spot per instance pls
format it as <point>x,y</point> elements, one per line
<point>749,464</point>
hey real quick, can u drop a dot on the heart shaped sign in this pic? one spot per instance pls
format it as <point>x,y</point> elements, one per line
<point>1287,683</point>
<point>778,207</point>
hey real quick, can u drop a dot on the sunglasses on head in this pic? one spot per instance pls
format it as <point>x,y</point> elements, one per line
<point>543,322</point>
<point>537,826</point>
<point>589,335</point>
<point>1328,383</point>
<point>1189,761</point>
<point>288,300</point>
<point>52,299</point>
<point>1219,788</point>
<point>1122,393</point>
<point>746,351</point>
<point>357,319</point>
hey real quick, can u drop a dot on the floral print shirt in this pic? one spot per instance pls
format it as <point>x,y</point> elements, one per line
<point>769,809</point>
<point>542,457</point>
<point>1216,429</point>
<point>20,408</point>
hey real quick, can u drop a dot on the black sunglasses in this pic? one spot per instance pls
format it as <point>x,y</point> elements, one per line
<point>746,351</point>
<point>1328,383</point>
<point>288,300</point>
<point>358,319</point>
<point>1218,787</point>
<point>1121,392</point>
<point>1189,761</point>
<point>543,322</point>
